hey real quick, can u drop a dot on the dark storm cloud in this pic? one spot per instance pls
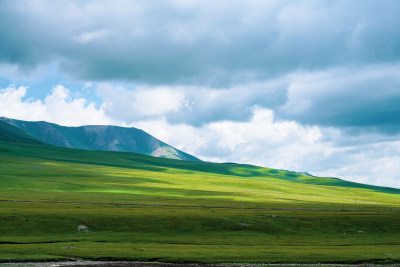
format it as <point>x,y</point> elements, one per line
<point>197,42</point>
<point>363,98</point>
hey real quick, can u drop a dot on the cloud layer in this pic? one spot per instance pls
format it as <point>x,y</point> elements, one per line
<point>330,64</point>
<point>201,42</point>
<point>364,97</point>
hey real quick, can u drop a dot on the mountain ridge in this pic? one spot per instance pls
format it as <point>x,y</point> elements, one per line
<point>99,137</point>
<point>12,134</point>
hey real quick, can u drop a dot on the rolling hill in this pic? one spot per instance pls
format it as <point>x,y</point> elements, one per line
<point>142,208</point>
<point>100,137</point>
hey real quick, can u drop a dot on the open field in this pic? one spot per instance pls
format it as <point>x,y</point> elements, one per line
<point>43,231</point>
<point>185,211</point>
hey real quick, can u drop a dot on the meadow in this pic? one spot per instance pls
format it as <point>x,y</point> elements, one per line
<point>142,208</point>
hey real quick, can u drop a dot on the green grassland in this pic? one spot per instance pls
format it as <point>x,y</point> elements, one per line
<point>143,208</point>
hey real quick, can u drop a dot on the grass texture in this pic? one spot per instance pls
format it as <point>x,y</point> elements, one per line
<point>142,208</point>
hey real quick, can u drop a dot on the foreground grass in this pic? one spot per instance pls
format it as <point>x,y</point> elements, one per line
<point>44,231</point>
<point>367,231</point>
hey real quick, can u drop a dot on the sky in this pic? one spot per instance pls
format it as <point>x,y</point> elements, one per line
<point>309,86</point>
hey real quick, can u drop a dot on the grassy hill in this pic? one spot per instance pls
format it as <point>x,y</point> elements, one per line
<point>138,207</point>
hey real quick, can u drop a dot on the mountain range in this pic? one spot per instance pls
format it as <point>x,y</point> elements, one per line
<point>98,137</point>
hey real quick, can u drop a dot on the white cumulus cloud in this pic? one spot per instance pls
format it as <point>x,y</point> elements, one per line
<point>58,107</point>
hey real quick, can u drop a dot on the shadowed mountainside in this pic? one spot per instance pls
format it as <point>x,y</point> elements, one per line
<point>12,134</point>
<point>100,137</point>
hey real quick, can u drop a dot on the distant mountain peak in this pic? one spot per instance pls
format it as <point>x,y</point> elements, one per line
<point>100,137</point>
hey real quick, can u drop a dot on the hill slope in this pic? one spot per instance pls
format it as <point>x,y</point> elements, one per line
<point>100,137</point>
<point>269,187</point>
<point>10,133</point>
<point>143,208</point>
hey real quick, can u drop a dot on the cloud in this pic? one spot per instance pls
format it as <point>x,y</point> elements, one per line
<point>354,99</point>
<point>142,103</point>
<point>316,62</point>
<point>376,163</point>
<point>58,107</point>
<point>192,105</point>
<point>202,42</point>
<point>365,98</point>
